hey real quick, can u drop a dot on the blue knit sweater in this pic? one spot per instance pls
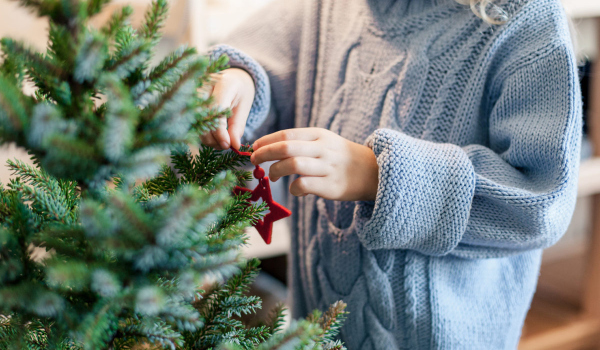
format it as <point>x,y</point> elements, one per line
<point>476,129</point>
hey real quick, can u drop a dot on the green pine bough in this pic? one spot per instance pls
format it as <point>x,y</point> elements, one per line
<point>140,255</point>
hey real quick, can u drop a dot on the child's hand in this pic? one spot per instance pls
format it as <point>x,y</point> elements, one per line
<point>234,89</point>
<point>332,167</point>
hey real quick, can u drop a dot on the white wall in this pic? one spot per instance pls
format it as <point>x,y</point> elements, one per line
<point>225,15</point>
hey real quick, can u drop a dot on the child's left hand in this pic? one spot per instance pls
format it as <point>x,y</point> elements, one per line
<point>330,166</point>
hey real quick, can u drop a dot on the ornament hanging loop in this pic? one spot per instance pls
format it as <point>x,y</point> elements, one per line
<point>259,173</point>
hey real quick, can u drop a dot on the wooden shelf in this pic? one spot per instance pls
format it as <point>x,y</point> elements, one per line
<point>556,320</point>
<point>555,275</point>
<point>589,174</point>
<point>574,334</point>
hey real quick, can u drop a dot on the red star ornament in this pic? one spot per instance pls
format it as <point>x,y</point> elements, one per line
<point>263,190</point>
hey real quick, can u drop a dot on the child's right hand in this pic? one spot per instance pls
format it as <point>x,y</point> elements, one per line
<point>234,89</point>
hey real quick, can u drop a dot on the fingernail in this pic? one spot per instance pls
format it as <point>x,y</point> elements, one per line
<point>225,145</point>
<point>254,146</point>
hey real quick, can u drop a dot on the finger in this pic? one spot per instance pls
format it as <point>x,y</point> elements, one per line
<point>309,185</point>
<point>297,165</point>
<point>220,134</point>
<point>286,149</point>
<point>299,134</point>
<point>224,98</point>
<point>237,122</point>
<point>209,140</point>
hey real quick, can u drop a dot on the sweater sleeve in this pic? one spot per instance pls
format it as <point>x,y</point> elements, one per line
<point>517,193</point>
<point>267,47</point>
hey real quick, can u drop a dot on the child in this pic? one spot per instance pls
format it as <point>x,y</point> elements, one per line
<point>433,153</point>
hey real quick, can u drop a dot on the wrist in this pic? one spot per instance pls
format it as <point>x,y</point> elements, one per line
<point>372,183</point>
<point>369,174</point>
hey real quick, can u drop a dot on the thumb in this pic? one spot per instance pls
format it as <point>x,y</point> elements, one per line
<point>237,122</point>
<point>239,116</point>
<point>223,96</point>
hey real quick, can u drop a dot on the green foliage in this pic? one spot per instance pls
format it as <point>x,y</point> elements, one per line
<point>330,323</point>
<point>124,261</point>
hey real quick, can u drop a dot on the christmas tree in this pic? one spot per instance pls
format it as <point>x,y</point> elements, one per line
<point>131,263</point>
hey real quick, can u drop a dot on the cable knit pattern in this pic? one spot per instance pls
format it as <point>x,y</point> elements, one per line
<point>476,129</point>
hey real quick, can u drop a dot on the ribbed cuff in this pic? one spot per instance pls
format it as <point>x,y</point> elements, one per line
<point>423,198</point>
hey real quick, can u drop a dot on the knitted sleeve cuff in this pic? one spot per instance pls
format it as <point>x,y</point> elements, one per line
<point>423,198</point>
<point>262,99</point>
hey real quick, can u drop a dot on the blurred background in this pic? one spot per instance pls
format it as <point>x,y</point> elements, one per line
<point>565,313</point>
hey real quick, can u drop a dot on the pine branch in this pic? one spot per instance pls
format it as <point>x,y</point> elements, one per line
<point>13,69</point>
<point>208,119</point>
<point>91,54</point>
<point>130,57</point>
<point>95,6</point>
<point>11,266</point>
<point>276,319</point>
<point>121,118</point>
<point>132,218</point>
<point>171,65</point>
<point>207,164</point>
<point>46,121</point>
<point>21,224</point>
<point>155,18</point>
<point>216,314</point>
<point>60,45</point>
<point>50,89</point>
<point>218,265</point>
<point>333,345</point>
<point>165,182</point>
<point>215,67</point>
<point>182,87</point>
<point>5,200</point>
<point>14,116</point>
<point>117,21</point>
<point>331,321</point>
<point>240,305</point>
<point>204,296</point>
<point>64,240</point>
<point>300,335</point>
<point>31,298</point>
<point>98,328</point>
<point>182,315</point>
<point>73,158</point>
<point>142,163</point>
<point>48,205</point>
<point>70,275</point>
<point>31,335</point>
<point>124,261</point>
<point>240,214</point>
<point>34,60</point>
<point>157,333</point>
<point>51,8</point>
<point>185,211</point>
<point>50,198</point>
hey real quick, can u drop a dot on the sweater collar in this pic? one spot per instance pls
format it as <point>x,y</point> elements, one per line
<point>387,16</point>
<point>401,8</point>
